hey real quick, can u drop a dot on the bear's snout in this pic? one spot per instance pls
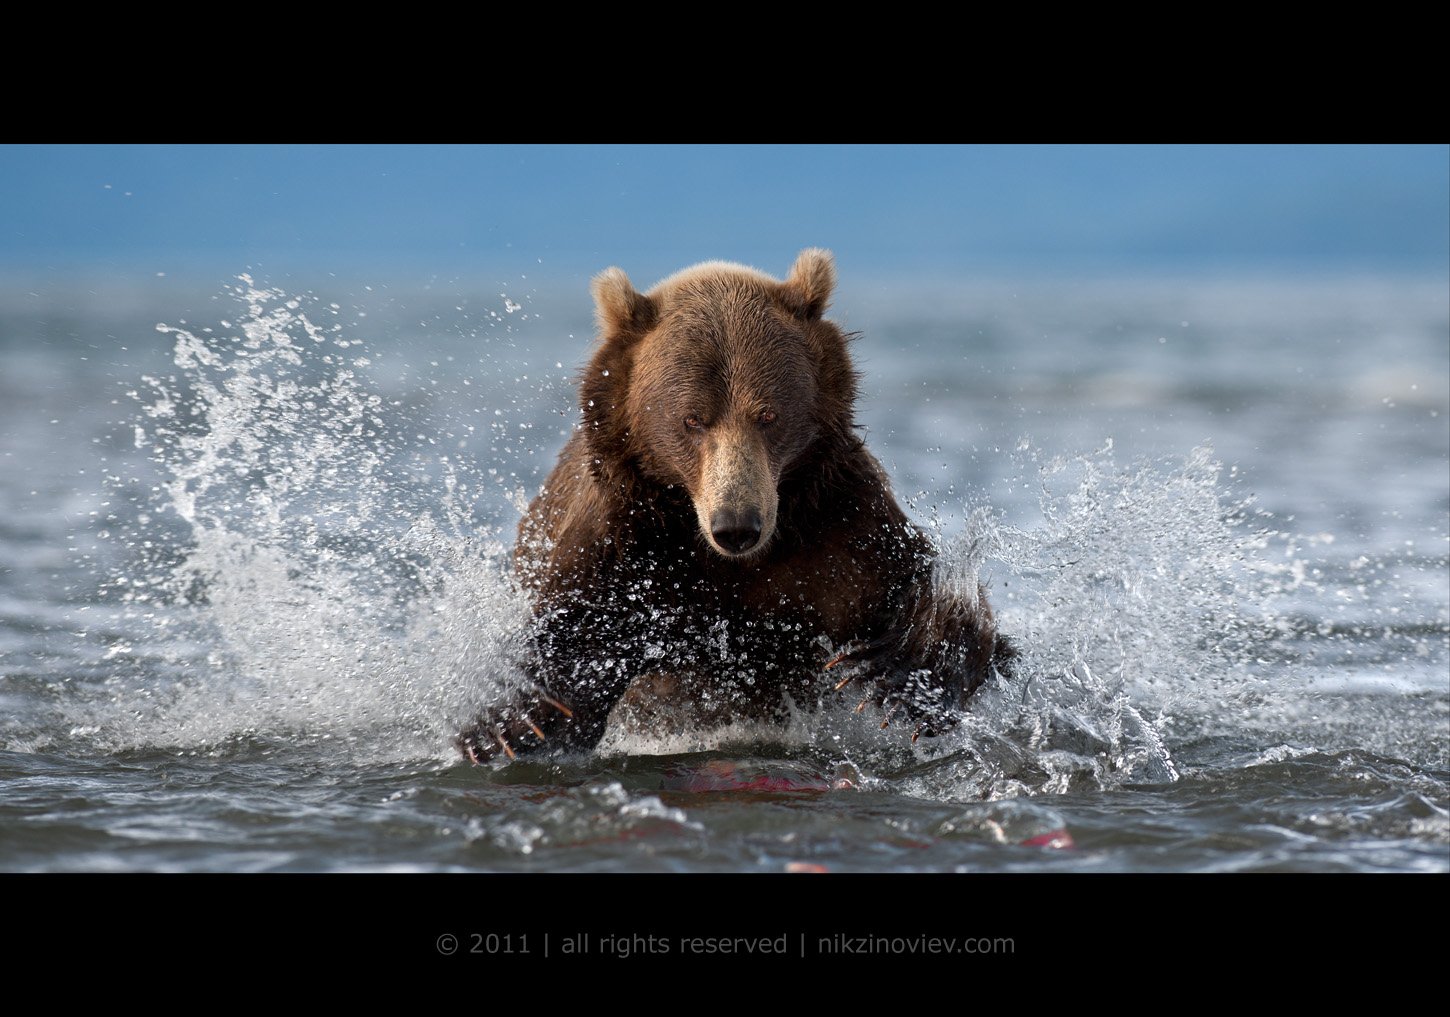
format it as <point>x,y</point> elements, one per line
<point>736,498</point>
<point>736,531</point>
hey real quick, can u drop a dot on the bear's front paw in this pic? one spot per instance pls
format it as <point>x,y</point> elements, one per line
<point>513,728</point>
<point>896,687</point>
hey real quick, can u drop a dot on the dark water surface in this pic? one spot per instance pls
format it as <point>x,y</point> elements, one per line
<point>253,576</point>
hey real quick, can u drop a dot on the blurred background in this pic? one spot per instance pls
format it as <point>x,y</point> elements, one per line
<point>451,212</point>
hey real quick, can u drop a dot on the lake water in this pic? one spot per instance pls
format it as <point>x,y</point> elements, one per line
<point>253,578</point>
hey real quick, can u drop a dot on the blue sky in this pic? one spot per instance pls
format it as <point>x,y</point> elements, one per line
<point>891,209</point>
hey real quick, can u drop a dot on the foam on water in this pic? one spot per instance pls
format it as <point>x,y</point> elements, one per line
<point>335,590</point>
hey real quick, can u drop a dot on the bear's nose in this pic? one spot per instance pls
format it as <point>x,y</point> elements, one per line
<point>736,532</point>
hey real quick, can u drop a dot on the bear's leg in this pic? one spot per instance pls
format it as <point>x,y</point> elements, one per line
<point>537,718</point>
<point>577,681</point>
<point>927,660</point>
<point>525,722</point>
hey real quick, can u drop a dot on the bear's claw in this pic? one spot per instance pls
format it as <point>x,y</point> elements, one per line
<point>556,705</point>
<point>509,729</point>
<point>896,685</point>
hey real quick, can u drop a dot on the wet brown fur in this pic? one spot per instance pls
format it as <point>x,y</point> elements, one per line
<point>629,585</point>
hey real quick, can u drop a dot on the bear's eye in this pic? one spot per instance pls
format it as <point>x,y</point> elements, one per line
<point>766,418</point>
<point>694,423</point>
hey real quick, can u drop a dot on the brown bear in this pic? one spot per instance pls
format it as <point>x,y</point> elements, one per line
<point>716,534</point>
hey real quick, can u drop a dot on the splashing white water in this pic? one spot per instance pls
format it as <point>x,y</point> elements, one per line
<point>1141,601</point>
<point>332,567</point>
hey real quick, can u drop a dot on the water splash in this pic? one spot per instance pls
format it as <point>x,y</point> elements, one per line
<point>332,567</point>
<point>1138,599</point>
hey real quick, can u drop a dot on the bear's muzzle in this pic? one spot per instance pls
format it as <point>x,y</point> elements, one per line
<point>736,499</point>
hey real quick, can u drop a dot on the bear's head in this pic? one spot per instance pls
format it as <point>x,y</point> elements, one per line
<point>720,381</point>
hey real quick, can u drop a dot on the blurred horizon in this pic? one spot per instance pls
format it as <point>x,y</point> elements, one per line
<point>451,213</point>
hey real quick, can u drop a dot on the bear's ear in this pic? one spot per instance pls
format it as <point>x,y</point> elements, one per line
<point>618,306</point>
<point>810,283</point>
